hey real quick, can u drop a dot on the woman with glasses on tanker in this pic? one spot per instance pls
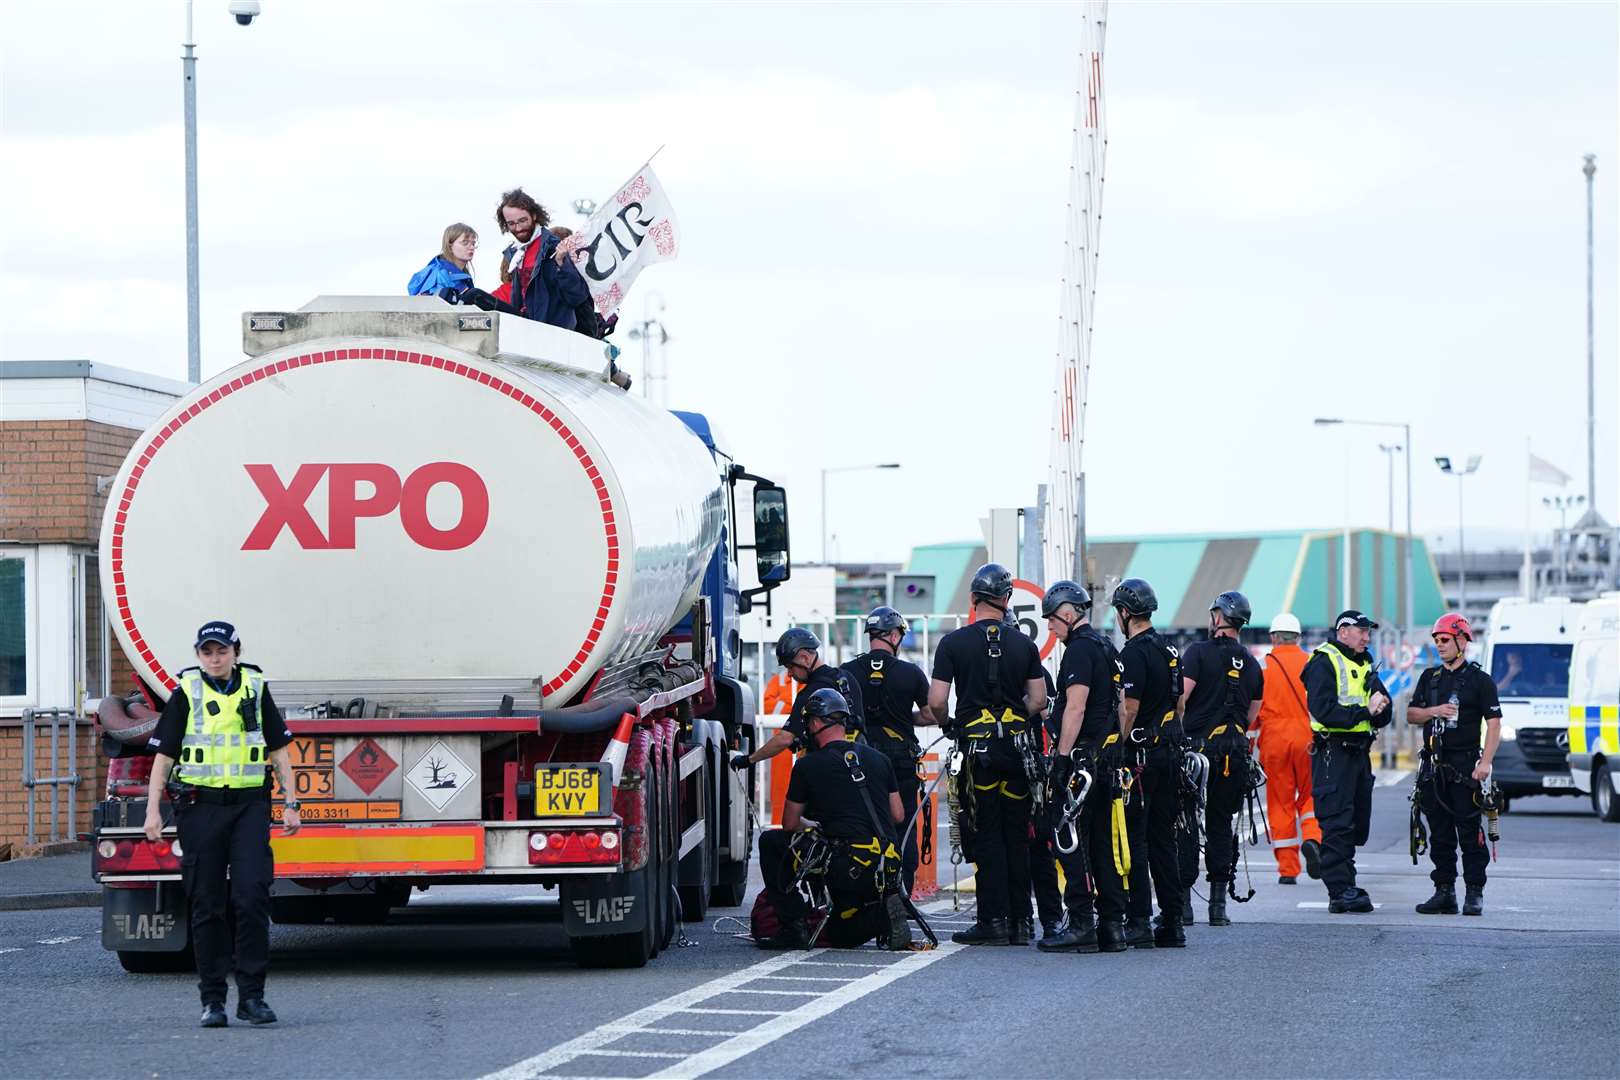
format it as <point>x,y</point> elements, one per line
<point>449,274</point>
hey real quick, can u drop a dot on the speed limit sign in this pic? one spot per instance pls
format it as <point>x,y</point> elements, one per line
<point>1026,608</point>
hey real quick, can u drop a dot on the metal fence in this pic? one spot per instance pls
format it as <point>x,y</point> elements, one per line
<point>62,827</point>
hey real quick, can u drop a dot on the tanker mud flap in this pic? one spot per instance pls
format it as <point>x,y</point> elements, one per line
<point>598,906</point>
<point>153,918</point>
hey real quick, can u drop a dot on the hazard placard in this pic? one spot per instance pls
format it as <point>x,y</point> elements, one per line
<point>368,765</point>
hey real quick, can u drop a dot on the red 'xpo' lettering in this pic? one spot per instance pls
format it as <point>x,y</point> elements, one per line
<point>285,504</point>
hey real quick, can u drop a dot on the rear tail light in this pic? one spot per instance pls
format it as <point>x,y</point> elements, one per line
<point>138,855</point>
<point>574,847</point>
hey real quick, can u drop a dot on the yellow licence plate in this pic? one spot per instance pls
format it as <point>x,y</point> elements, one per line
<point>570,790</point>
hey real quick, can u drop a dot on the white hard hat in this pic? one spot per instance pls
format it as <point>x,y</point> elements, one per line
<point>1285,624</point>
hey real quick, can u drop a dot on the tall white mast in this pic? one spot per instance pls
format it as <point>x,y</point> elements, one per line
<point>1065,519</point>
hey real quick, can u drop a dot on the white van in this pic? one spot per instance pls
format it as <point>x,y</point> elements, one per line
<point>1527,651</point>
<point>1594,705</point>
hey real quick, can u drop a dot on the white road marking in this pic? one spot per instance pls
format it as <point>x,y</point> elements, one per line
<point>4,951</point>
<point>812,978</point>
<point>58,940</point>
<point>733,1045</point>
<point>1321,905</point>
<point>1393,778</point>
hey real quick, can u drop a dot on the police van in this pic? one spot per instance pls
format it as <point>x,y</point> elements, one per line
<point>1527,651</point>
<point>1594,705</point>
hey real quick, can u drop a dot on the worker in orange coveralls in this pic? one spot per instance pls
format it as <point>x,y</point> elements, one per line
<point>1284,729</point>
<point>779,693</point>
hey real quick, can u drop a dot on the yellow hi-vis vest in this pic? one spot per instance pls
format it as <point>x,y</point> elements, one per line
<point>217,750</point>
<point>1352,688</point>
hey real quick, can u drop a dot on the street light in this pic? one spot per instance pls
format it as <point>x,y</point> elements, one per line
<point>1563,504</point>
<point>839,468</point>
<point>585,207</point>
<point>648,330</point>
<point>1462,572</point>
<point>245,11</point>
<point>1411,562</point>
<point>1390,450</point>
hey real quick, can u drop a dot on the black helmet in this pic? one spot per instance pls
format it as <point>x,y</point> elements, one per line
<point>992,580</point>
<point>884,619</point>
<point>797,639</point>
<point>1064,592</point>
<point>1136,597</point>
<point>1234,606</point>
<point>825,704</point>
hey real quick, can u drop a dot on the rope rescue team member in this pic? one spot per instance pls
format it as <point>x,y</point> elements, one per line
<point>1284,730</point>
<point>1221,688</point>
<point>1152,750</point>
<point>1347,702</point>
<point>219,724</point>
<point>999,686</point>
<point>846,792</point>
<point>1456,697</point>
<point>1043,858</point>
<point>895,692</point>
<point>799,651</point>
<point>1088,685</point>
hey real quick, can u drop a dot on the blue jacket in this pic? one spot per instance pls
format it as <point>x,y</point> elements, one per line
<point>543,290</point>
<point>438,277</point>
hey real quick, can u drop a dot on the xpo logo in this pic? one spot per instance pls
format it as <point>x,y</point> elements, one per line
<point>285,504</point>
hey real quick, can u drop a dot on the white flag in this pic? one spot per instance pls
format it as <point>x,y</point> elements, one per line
<point>632,229</point>
<point>1545,472</point>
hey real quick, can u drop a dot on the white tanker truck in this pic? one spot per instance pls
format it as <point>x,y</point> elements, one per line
<point>496,598</point>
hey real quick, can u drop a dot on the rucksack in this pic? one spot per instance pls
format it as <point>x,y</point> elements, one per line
<point>766,926</point>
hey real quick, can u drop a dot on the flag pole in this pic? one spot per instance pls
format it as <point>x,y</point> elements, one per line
<point>1528,587</point>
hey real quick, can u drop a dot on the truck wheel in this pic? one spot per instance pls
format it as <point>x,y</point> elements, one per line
<point>731,885</point>
<point>158,963</point>
<point>631,950</point>
<point>1604,804</point>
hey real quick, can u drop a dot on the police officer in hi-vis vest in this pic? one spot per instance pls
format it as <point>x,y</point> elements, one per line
<point>223,729</point>
<point>1347,703</point>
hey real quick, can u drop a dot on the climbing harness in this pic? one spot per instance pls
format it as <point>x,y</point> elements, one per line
<point>1066,834</point>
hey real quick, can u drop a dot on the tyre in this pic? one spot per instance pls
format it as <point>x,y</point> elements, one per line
<point>158,963</point>
<point>631,950</point>
<point>1604,804</point>
<point>731,885</point>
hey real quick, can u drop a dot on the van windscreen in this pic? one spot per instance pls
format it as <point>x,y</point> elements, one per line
<point>1531,670</point>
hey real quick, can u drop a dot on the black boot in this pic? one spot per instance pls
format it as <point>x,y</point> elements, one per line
<point>1312,851</point>
<point>983,932</point>
<point>1079,936</point>
<point>1111,935</point>
<point>1187,917</point>
<point>1168,934</point>
<point>1443,902</point>
<point>1473,900</point>
<point>1217,904</point>
<point>1139,933</point>
<point>1020,931</point>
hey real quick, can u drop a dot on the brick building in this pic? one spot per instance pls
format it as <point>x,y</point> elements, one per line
<point>65,427</point>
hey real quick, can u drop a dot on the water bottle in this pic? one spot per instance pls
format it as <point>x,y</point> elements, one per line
<point>1451,721</point>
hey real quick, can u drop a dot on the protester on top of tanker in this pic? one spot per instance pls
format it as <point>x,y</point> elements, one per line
<point>448,275</point>
<point>586,320</point>
<point>537,282</point>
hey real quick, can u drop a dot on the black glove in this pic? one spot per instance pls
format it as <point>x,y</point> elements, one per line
<point>739,760</point>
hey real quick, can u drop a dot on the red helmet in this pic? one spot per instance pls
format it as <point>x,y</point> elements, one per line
<point>1453,624</point>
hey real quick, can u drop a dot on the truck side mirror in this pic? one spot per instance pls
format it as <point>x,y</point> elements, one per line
<point>771,535</point>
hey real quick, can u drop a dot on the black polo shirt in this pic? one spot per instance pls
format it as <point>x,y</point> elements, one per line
<point>891,688</point>
<point>1089,660</point>
<point>1476,703</point>
<point>827,677</point>
<point>1147,679</point>
<point>963,658</point>
<point>1227,680</point>
<point>172,724</point>
<point>823,784</point>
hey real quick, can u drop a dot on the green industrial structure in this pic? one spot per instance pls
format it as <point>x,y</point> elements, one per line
<point>1300,571</point>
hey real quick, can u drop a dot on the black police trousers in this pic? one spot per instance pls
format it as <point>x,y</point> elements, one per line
<point>851,889</point>
<point>216,836</point>
<point>1447,795</point>
<point>1223,798</point>
<point>1106,886</point>
<point>1158,802</point>
<point>1342,785</point>
<point>1044,860</point>
<point>903,759</point>
<point>1001,824</point>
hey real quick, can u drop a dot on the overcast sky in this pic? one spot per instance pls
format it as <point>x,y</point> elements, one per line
<point>1361,210</point>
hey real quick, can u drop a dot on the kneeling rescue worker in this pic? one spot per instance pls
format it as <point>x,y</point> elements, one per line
<point>845,792</point>
<point>799,651</point>
<point>999,687</point>
<point>1450,702</point>
<point>1347,702</point>
<point>895,692</point>
<point>221,725</point>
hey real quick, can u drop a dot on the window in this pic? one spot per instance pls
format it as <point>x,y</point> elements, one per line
<point>18,615</point>
<point>1531,670</point>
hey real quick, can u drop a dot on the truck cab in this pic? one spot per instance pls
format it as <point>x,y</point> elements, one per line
<point>1594,706</point>
<point>1527,651</point>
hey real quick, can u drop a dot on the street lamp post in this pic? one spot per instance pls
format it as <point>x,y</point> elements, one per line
<point>835,469</point>
<point>1390,450</point>
<point>1410,615</point>
<point>1460,472</point>
<point>1563,504</point>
